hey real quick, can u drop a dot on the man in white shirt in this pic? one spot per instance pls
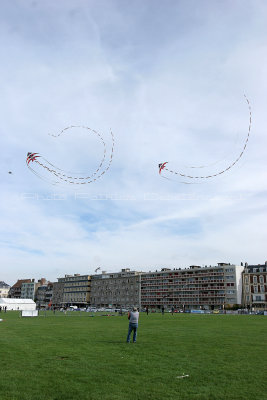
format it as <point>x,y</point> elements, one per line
<point>133,317</point>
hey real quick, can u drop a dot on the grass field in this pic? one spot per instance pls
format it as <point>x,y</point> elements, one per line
<point>78,357</point>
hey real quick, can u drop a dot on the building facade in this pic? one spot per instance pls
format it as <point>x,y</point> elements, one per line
<point>48,295</point>
<point>57,294</point>
<point>40,297</point>
<point>116,290</point>
<point>76,290</point>
<point>15,290</point>
<point>44,296</point>
<point>29,289</point>
<point>4,289</point>
<point>193,288</point>
<point>255,287</point>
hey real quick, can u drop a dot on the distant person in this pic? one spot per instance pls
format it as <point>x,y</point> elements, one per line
<point>172,310</point>
<point>162,310</point>
<point>146,310</point>
<point>5,308</point>
<point>133,317</point>
<point>0,308</point>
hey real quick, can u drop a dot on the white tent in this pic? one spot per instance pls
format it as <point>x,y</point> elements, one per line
<point>17,304</point>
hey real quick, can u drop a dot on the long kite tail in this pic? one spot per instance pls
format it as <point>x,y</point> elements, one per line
<point>224,170</point>
<point>70,177</point>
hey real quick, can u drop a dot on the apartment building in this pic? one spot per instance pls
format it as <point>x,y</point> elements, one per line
<point>4,289</point>
<point>49,294</point>
<point>255,286</point>
<point>15,290</point>
<point>76,290</point>
<point>40,297</point>
<point>29,289</point>
<point>44,295</point>
<point>116,289</point>
<point>193,288</point>
<point>57,294</point>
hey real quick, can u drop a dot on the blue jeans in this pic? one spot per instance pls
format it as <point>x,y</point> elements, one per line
<point>132,327</point>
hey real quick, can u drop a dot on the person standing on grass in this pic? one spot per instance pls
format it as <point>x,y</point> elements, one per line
<point>133,317</point>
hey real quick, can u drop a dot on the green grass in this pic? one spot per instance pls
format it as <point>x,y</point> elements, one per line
<point>73,357</point>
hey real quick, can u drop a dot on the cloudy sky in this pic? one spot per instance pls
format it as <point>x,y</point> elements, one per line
<point>169,78</point>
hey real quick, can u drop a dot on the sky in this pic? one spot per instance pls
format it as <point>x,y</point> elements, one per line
<point>169,79</point>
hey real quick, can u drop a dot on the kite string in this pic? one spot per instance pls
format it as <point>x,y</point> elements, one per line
<point>70,172</point>
<point>63,176</point>
<point>231,165</point>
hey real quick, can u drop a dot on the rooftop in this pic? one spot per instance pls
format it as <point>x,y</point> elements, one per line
<point>4,285</point>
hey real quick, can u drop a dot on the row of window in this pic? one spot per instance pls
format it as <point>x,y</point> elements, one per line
<point>75,284</point>
<point>261,269</point>
<point>257,298</point>
<point>123,292</point>
<point>180,279</point>
<point>186,301</point>
<point>115,281</point>
<point>256,279</point>
<point>194,294</point>
<point>109,287</point>
<point>79,279</point>
<point>256,289</point>
<point>186,287</point>
<point>69,299</point>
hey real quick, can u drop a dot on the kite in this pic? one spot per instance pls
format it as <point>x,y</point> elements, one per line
<point>49,172</point>
<point>190,177</point>
<point>162,166</point>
